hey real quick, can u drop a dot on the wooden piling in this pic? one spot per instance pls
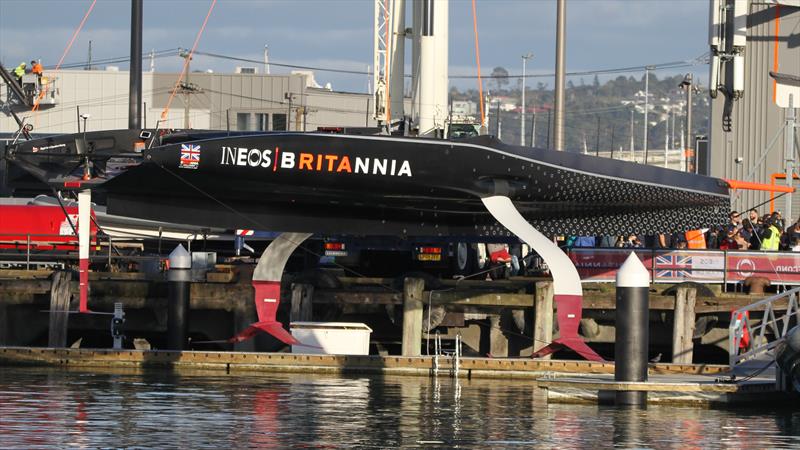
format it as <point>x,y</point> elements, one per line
<point>412,316</point>
<point>543,316</point>
<point>302,294</point>
<point>683,325</point>
<point>59,309</point>
<point>4,334</point>
<point>498,342</point>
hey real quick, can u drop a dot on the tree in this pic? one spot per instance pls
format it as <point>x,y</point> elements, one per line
<point>500,77</point>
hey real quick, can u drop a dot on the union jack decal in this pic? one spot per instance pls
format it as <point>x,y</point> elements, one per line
<point>190,156</point>
<point>674,266</point>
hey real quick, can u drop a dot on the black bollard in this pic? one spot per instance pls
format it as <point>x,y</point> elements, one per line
<point>179,276</point>
<point>632,329</point>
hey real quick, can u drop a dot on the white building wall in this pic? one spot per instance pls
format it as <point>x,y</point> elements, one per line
<point>104,96</point>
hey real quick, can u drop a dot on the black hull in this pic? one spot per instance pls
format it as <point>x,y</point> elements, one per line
<point>343,184</point>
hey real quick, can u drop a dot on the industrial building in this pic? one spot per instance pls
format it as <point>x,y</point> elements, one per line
<point>235,101</point>
<point>749,138</point>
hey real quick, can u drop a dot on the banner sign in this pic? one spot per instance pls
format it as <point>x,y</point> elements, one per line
<point>780,268</point>
<point>601,264</point>
<point>702,266</point>
<point>677,266</point>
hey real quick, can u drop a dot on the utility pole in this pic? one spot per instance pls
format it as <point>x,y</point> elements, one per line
<point>89,59</point>
<point>666,140</point>
<point>369,79</point>
<point>688,84</point>
<point>613,130</point>
<point>561,22</point>
<point>597,139</point>
<point>266,59</point>
<point>672,133</point>
<point>525,59</point>
<point>152,60</point>
<point>633,155</point>
<point>186,89</point>
<point>788,155</point>
<point>300,114</point>
<point>288,96</point>
<point>497,119</point>
<point>533,127</point>
<point>585,147</point>
<point>647,70</point>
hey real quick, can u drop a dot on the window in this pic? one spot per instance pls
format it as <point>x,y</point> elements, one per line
<point>242,121</point>
<point>279,122</point>
<point>262,122</point>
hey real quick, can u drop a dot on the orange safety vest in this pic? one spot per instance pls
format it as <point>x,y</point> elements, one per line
<point>695,239</point>
<point>37,69</point>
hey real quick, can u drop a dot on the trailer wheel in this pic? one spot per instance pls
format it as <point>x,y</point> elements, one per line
<point>465,259</point>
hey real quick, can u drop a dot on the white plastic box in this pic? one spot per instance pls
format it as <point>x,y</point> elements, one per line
<point>332,338</point>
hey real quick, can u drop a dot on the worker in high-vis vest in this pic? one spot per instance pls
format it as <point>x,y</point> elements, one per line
<point>20,71</point>
<point>37,69</point>
<point>771,236</point>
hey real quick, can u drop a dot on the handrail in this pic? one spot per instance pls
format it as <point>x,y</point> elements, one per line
<point>748,334</point>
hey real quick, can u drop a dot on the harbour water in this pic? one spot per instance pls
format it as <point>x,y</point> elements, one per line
<point>52,408</point>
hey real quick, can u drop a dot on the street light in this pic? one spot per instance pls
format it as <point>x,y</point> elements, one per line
<point>289,96</point>
<point>525,59</point>
<point>86,169</point>
<point>647,70</point>
<point>688,84</point>
<point>85,117</point>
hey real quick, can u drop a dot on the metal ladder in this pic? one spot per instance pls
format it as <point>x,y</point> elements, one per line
<point>455,356</point>
<point>778,312</point>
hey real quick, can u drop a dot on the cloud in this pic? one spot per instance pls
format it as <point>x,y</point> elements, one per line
<point>601,33</point>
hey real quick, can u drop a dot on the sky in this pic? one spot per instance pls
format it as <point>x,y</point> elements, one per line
<point>601,34</point>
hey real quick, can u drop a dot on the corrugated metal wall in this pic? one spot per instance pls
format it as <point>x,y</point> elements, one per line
<point>755,119</point>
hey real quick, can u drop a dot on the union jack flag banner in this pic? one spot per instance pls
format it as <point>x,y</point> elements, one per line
<point>674,266</point>
<point>190,156</point>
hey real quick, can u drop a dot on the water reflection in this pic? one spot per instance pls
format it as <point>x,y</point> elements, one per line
<point>56,409</point>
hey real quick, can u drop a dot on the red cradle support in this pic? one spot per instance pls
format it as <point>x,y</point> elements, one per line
<point>267,298</point>
<point>568,313</point>
<point>566,281</point>
<point>83,283</point>
<point>267,284</point>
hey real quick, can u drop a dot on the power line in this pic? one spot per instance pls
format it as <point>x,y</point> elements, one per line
<point>700,60</point>
<point>290,66</point>
<point>116,59</point>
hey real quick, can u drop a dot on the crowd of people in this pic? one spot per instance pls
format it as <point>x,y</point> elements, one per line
<point>744,231</point>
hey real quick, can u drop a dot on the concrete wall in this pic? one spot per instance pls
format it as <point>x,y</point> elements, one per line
<point>755,118</point>
<point>222,98</point>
